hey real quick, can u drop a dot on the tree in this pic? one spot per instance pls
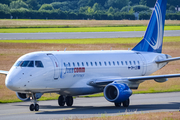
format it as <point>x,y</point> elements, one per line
<point>90,11</point>
<point>117,3</point>
<point>143,2</point>
<point>111,10</point>
<point>4,7</point>
<point>33,4</point>
<point>96,7</point>
<point>83,3</point>
<point>18,4</point>
<point>5,2</point>
<point>126,9</point>
<point>83,10</point>
<point>46,7</point>
<point>65,6</point>
<point>139,8</point>
<point>172,8</point>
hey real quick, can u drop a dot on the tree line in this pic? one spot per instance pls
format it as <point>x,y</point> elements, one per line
<point>83,9</point>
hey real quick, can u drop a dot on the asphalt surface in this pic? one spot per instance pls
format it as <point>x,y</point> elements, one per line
<point>79,35</point>
<point>91,107</point>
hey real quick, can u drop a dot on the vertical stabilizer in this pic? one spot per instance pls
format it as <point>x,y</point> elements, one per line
<point>153,38</point>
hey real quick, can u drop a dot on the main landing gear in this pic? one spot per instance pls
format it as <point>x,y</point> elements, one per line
<point>34,106</point>
<point>125,103</point>
<point>65,99</point>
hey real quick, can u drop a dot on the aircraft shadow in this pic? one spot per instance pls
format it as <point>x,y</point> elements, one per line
<point>107,109</point>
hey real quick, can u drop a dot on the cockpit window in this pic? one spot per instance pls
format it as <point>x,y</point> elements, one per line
<point>25,63</point>
<point>39,64</point>
<point>31,64</point>
<point>18,63</point>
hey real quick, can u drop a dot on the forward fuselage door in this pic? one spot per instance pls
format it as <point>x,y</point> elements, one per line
<point>56,66</point>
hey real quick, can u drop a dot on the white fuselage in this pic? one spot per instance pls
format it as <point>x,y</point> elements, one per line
<point>68,72</point>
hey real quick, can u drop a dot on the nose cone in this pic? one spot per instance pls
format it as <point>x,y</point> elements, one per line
<point>9,84</point>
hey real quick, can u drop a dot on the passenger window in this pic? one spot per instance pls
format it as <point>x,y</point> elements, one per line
<point>96,63</point>
<point>117,62</point>
<point>134,62</point>
<point>87,63</point>
<point>64,64</point>
<point>100,63</point>
<point>91,64</point>
<point>122,62</point>
<point>39,64</point>
<point>130,62</point>
<point>105,63</point>
<point>73,64</point>
<point>109,63</point>
<point>113,63</point>
<point>138,62</point>
<point>126,62</point>
<point>82,64</point>
<point>78,63</point>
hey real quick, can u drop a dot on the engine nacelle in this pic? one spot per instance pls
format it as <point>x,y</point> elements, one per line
<point>117,93</point>
<point>25,97</point>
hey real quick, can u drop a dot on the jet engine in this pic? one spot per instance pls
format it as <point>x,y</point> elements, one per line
<point>25,97</point>
<point>117,93</point>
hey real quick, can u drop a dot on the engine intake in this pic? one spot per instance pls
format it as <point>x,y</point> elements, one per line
<point>25,97</point>
<point>117,93</point>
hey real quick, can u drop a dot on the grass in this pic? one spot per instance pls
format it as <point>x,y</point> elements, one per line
<point>91,40</point>
<point>34,23</point>
<point>85,29</point>
<point>142,116</point>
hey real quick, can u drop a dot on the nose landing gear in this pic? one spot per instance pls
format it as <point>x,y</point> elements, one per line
<point>34,106</point>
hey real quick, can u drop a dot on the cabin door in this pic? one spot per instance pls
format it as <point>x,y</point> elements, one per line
<point>56,66</point>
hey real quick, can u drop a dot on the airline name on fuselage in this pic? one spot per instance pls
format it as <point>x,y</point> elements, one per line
<point>75,70</point>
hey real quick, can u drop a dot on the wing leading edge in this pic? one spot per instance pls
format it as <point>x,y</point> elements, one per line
<point>138,79</point>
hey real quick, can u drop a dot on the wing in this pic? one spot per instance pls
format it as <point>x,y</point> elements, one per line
<point>4,72</point>
<point>131,81</point>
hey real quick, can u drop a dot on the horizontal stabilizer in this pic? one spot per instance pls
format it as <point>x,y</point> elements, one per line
<point>168,60</point>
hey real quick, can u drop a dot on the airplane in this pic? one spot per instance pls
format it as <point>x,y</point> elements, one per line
<point>74,73</point>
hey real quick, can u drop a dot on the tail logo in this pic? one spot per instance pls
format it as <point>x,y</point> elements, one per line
<point>156,43</point>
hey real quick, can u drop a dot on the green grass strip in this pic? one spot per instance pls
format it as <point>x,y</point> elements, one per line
<point>85,29</point>
<point>90,40</point>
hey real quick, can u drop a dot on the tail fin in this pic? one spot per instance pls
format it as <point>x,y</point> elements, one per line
<point>153,38</point>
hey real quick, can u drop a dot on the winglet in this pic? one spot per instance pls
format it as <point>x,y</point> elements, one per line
<point>153,38</point>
